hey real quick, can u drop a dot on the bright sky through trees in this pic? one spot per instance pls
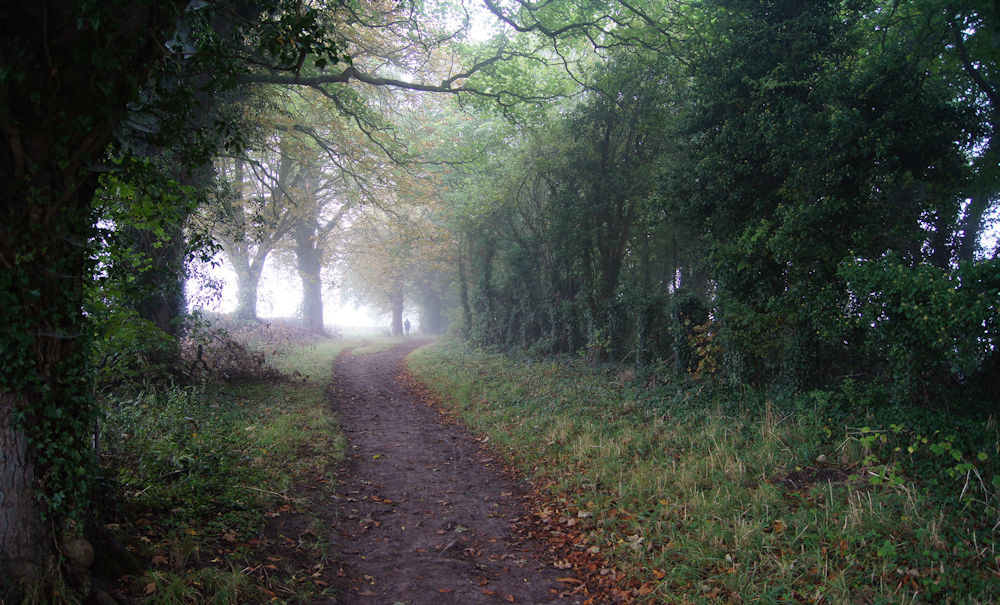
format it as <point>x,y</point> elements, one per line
<point>280,295</point>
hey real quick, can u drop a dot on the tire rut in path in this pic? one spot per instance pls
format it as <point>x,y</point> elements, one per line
<point>424,514</point>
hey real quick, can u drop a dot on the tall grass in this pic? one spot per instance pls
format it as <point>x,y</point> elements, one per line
<point>196,470</point>
<point>705,494</point>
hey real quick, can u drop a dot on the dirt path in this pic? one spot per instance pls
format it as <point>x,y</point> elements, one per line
<point>424,514</point>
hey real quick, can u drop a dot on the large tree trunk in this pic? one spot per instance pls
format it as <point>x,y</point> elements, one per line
<point>312,296</point>
<point>308,258</point>
<point>163,301</point>
<point>247,284</point>
<point>44,379</point>
<point>247,262</point>
<point>25,544</point>
<point>55,122</point>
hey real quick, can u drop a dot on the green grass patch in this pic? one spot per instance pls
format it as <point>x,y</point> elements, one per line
<point>197,470</point>
<point>704,494</point>
<point>377,344</point>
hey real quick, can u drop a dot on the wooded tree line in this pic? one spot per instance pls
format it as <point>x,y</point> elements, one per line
<point>783,193</point>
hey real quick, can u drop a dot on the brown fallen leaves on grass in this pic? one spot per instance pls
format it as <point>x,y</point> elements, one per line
<point>562,529</point>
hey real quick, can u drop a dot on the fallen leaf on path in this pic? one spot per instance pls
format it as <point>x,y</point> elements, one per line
<point>509,598</point>
<point>446,590</point>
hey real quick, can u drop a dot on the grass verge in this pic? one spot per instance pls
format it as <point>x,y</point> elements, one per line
<point>376,344</point>
<point>703,495</point>
<point>202,471</point>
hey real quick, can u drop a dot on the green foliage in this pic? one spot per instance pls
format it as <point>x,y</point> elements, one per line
<point>132,353</point>
<point>179,449</point>
<point>800,178</point>
<point>795,171</point>
<point>933,328</point>
<point>550,254</point>
<point>799,171</point>
<point>293,32</point>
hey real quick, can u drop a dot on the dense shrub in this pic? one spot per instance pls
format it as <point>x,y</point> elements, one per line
<point>934,329</point>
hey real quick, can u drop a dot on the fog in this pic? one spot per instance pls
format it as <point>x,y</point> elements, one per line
<point>213,289</point>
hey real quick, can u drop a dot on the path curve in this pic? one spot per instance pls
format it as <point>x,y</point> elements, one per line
<point>423,513</point>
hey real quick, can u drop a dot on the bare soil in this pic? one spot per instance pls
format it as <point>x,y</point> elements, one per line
<point>424,513</point>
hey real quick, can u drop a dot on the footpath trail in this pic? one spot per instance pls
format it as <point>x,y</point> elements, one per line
<point>424,514</point>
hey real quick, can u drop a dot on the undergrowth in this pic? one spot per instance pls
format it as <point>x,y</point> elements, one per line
<point>703,494</point>
<point>197,471</point>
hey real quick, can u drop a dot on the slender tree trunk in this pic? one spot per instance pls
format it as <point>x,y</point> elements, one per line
<point>972,222</point>
<point>397,311</point>
<point>972,227</point>
<point>463,287</point>
<point>674,279</point>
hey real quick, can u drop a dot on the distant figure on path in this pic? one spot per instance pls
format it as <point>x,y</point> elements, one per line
<point>406,326</point>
